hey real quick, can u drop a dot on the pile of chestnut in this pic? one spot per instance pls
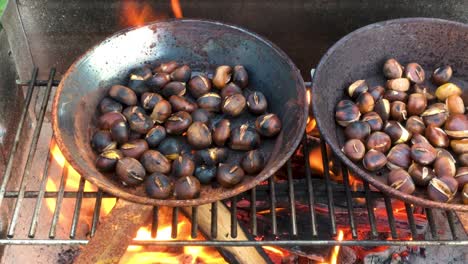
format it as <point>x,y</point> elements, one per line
<point>144,129</point>
<point>413,132</point>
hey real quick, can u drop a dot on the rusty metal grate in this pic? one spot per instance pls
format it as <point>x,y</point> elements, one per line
<point>308,186</point>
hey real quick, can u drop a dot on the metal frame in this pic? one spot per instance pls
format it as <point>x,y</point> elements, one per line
<point>330,191</point>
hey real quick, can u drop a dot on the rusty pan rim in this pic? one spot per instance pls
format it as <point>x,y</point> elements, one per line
<point>337,150</point>
<point>262,176</point>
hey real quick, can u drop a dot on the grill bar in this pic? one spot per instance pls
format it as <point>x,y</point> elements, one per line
<point>409,213</point>
<point>391,217</point>
<point>194,227</point>
<point>432,225</point>
<point>310,187</point>
<point>154,223</point>
<point>76,213</point>
<point>349,202</point>
<point>234,217</point>
<point>97,212</point>
<point>253,211</point>
<point>292,200</point>
<point>326,173</point>
<point>214,221</point>
<point>274,226</point>
<point>58,204</point>
<point>370,211</point>
<point>451,221</point>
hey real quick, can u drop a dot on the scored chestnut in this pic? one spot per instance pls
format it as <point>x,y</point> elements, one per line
<point>392,95</point>
<point>417,103</point>
<point>244,138</point>
<point>399,84</point>
<point>155,135</point>
<point>158,186</point>
<point>183,166</point>
<point>107,160</point>
<point>120,132</point>
<point>445,167</point>
<point>253,162</point>
<point>221,132</point>
<point>108,104</point>
<point>140,123</point>
<point>392,69</point>
<point>423,153</point>
<point>377,92</point>
<point>374,160</point>
<point>173,88</point>
<point>123,95</point>
<point>138,78</point>
<point>257,103</point>
<point>106,121</point>
<point>346,113</point>
<point>442,189</point>
<point>436,136</point>
<point>233,105</point>
<point>154,161</point>
<point>187,187</point>
<point>230,89</point>
<point>240,76</point>
<point>134,148</point>
<point>210,102</point>
<point>222,76</point>
<point>229,175</point>
<point>442,74</point>
<point>205,174</point>
<point>401,180</point>
<point>357,87</point>
<point>166,67</point>
<point>199,135</point>
<point>181,74</point>
<point>421,175</point>
<point>374,120</point>
<point>102,141</point>
<point>459,146</point>
<point>418,138</point>
<point>178,123</point>
<point>399,157</point>
<point>382,107</point>
<point>415,125</point>
<point>379,141</point>
<point>268,125</point>
<point>211,156</point>
<point>415,73</point>
<point>354,149</point>
<point>422,89</point>
<point>462,176</point>
<point>396,132</point>
<point>358,130</point>
<point>161,111</point>
<point>436,114</point>
<point>158,81</point>
<point>180,103</point>
<point>201,115</point>
<point>140,73</point>
<point>446,90</point>
<point>456,126</point>
<point>170,147</point>
<point>199,85</point>
<point>149,100</point>
<point>398,111</point>
<point>365,102</point>
<point>455,104</point>
<point>130,171</point>
<point>130,110</point>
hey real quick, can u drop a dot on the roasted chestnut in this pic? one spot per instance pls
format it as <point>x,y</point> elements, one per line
<point>399,157</point>
<point>120,132</point>
<point>221,132</point>
<point>155,136</point>
<point>109,105</point>
<point>374,121</point>
<point>421,175</point>
<point>211,156</point>
<point>130,171</point>
<point>346,113</point>
<point>268,125</point>
<point>382,107</point>
<point>374,160</point>
<point>422,89</point>
<point>357,87</point>
<point>455,104</point>
<point>107,160</point>
<point>166,67</point>
<point>158,186</point>
<point>401,180</point>
<point>138,84</point>
<point>377,92</point>
<point>173,88</point>
<point>158,81</point>
<point>141,73</point>
<point>459,146</point>
<point>183,166</point>
<point>222,76</point>
<point>257,103</point>
<point>465,194</point>
<point>397,133</point>
<point>462,176</point>
<point>240,76</point>
<point>149,100</point>
<point>354,149</point>
<point>187,187</point>
<point>210,102</point>
<point>130,110</point>
<point>442,189</point>
<point>102,141</point>
<point>202,115</point>
<point>244,138</point>
<point>199,85</point>
<point>134,135</point>
<point>358,130</point>
<point>446,90</point>
<point>444,167</point>
<point>379,141</point>
<point>417,103</point>
<point>399,84</point>
<point>181,74</point>
<point>155,161</point>
<point>436,136</point>
<point>365,102</point>
<point>415,73</point>
<point>423,153</point>
<point>171,148</point>
<point>456,126</point>
<point>436,114</point>
<point>229,175</point>
<point>463,159</point>
<point>106,121</point>
<point>134,148</point>
<point>392,95</point>
<point>441,152</point>
<point>178,123</point>
<point>418,138</point>
<point>161,111</point>
<point>415,125</point>
<point>234,105</point>
<point>442,74</point>
<point>230,89</point>
<point>205,174</point>
<point>140,123</point>
<point>253,161</point>
<point>180,103</point>
<point>392,69</point>
<point>199,135</point>
<point>123,94</point>
<point>398,111</point>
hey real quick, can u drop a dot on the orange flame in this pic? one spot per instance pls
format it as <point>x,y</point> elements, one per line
<point>176,9</point>
<point>336,249</point>
<point>135,13</point>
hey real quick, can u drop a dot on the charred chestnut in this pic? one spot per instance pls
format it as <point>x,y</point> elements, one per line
<point>141,73</point>
<point>415,73</point>
<point>130,110</point>
<point>221,132</point>
<point>202,115</point>
<point>374,160</point>
<point>123,94</point>
<point>149,100</point>
<point>398,111</point>
<point>205,174</point>
<point>399,84</point>
<point>357,87</point>
<point>253,162</point>
<point>455,104</point>
<point>442,74</point>
<point>442,189</point>
<point>392,69</point>
<point>423,153</point>
<point>229,175</point>
<point>120,132</point>
<point>415,125</point>
<point>446,90</point>
<point>154,161</point>
<point>257,103</point>
<point>130,171</point>
<point>166,67</point>
<point>106,121</point>
<point>158,81</point>
<point>374,121</point>
<point>109,105</point>
<point>171,148</point>
<point>222,76</point>
<point>199,135</point>
<point>240,76</point>
<point>437,136</point>
<point>158,186</point>
<point>268,125</point>
<point>459,146</point>
<point>397,133</point>
<point>173,88</point>
<point>180,103</point>
<point>346,113</point>
<point>436,114</point>
<point>399,157</point>
<point>140,123</point>
<point>379,141</point>
<point>102,141</point>
<point>377,92</point>
<point>181,74</point>
<point>358,130</point>
<point>445,167</point>
<point>161,111</point>
<point>392,95</point>
<point>382,107</point>
<point>183,166</point>
<point>401,180</point>
<point>422,89</point>
<point>421,175</point>
<point>210,102</point>
<point>244,138</point>
<point>137,81</point>
<point>354,149</point>
<point>199,85</point>
<point>134,148</point>
<point>107,160</point>
<point>211,156</point>
<point>230,89</point>
<point>178,123</point>
<point>187,187</point>
<point>155,136</point>
<point>365,102</point>
<point>417,103</point>
<point>462,176</point>
<point>456,126</point>
<point>234,105</point>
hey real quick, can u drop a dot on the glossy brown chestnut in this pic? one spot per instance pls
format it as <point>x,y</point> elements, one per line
<point>418,138</point>
<point>244,138</point>
<point>379,141</point>
<point>257,103</point>
<point>397,133</point>
<point>161,111</point>
<point>229,175</point>
<point>417,103</point>
<point>155,161</point>
<point>108,104</point>
<point>199,135</point>
<point>455,104</point>
<point>187,187</point>
<point>382,107</point>
<point>401,180</point>
<point>399,157</point>
<point>442,74</point>
<point>234,105</point>
<point>140,123</point>
<point>173,88</point>
<point>202,115</point>
<point>178,123</point>
<point>399,84</point>
<point>444,167</point>
<point>170,147</point>
<point>436,136</point>
<point>392,69</point>
<point>107,160</point>
<point>210,102</point>
<point>130,110</point>
<point>365,102</point>
<point>106,121</point>
<point>358,130</point>
<point>211,156</point>
<point>456,126</point>
<point>181,74</point>
<point>158,186</point>
<point>130,171</point>
<point>357,87</point>
<point>138,83</point>
<point>423,153</point>
<point>183,166</point>
<point>436,114</point>
<point>180,103</point>
<point>421,175</point>
<point>442,189</point>
<point>268,125</point>
<point>377,92</point>
<point>221,132</point>
<point>120,132</point>
<point>155,135</point>
<point>230,89</point>
<point>222,76</point>
<point>205,174</point>
<point>462,176</point>
<point>134,148</point>
<point>392,95</point>
<point>446,90</point>
<point>422,89</point>
<point>415,125</point>
<point>441,152</point>
<point>158,81</point>
<point>149,100</point>
<point>166,67</point>
<point>374,160</point>
<point>374,120</point>
<point>463,159</point>
<point>459,146</point>
<point>346,113</point>
<point>398,111</point>
<point>253,162</point>
<point>354,149</point>
<point>199,85</point>
<point>415,73</point>
<point>240,76</point>
<point>123,95</point>
<point>102,141</point>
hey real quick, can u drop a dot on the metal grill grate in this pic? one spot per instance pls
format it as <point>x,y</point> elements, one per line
<point>21,194</point>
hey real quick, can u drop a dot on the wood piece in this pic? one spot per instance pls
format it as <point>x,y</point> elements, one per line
<point>242,254</point>
<point>113,236</point>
